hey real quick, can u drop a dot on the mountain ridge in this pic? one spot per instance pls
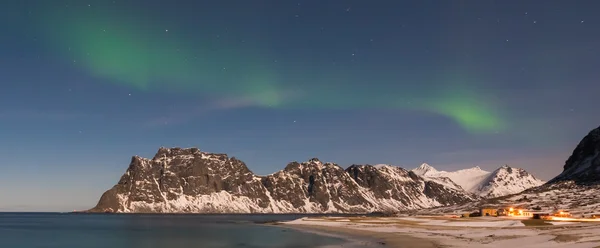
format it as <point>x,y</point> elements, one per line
<point>188,180</point>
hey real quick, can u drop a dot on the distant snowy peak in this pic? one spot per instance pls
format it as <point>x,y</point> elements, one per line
<point>425,170</point>
<point>506,181</point>
<point>466,178</point>
<point>503,181</point>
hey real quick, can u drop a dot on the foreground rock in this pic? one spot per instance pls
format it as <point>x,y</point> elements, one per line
<point>190,181</point>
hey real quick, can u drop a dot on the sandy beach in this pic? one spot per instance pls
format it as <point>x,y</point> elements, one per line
<point>370,238</point>
<point>451,232</point>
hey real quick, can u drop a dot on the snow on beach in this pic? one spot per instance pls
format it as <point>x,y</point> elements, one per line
<point>484,232</point>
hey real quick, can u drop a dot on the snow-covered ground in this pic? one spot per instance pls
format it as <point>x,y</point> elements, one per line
<point>480,232</point>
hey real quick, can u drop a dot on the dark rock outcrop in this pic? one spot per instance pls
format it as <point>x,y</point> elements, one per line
<point>583,166</point>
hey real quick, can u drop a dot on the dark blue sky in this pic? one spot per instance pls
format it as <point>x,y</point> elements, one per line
<point>85,85</point>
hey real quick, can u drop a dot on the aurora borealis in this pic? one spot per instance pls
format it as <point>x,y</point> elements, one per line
<point>454,84</point>
<point>137,52</point>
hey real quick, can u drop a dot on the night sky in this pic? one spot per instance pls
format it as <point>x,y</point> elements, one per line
<point>84,85</point>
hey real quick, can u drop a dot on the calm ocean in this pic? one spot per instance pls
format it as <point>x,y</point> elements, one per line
<point>53,230</point>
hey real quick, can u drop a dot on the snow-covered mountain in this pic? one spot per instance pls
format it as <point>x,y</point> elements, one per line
<point>507,181</point>
<point>190,181</point>
<point>503,181</point>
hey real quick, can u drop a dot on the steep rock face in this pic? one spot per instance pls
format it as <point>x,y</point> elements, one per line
<point>190,181</point>
<point>395,184</point>
<point>506,181</point>
<point>583,166</point>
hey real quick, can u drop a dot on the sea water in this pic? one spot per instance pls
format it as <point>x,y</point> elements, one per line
<point>55,230</point>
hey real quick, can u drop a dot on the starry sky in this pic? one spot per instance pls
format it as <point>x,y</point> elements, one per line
<point>86,84</point>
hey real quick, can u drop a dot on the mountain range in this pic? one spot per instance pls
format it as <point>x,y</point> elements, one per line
<point>188,180</point>
<point>191,181</point>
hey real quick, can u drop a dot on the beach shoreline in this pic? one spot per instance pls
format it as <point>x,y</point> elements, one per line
<point>365,238</point>
<point>350,239</point>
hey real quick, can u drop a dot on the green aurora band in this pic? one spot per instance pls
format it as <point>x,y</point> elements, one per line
<point>119,49</point>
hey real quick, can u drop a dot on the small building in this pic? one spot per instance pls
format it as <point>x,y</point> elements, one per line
<point>541,215</point>
<point>502,212</point>
<point>489,212</point>
<point>515,212</point>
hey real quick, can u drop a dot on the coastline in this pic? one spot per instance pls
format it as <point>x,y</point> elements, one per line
<point>363,237</point>
<point>352,240</point>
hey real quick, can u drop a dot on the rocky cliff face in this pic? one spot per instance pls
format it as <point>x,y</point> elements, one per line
<point>190,181</point>
<point>583,166</point>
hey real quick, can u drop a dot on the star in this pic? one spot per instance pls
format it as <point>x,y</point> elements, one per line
<point>294,121</point>
<point>534,22</point>
<point>582,21</point>
<point>166,30</point>
<point>129,94</point>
